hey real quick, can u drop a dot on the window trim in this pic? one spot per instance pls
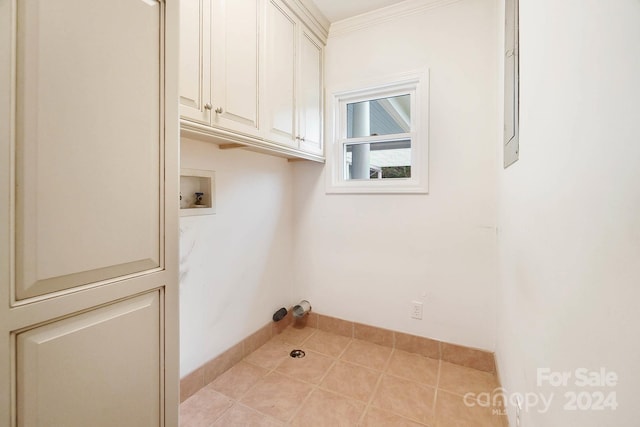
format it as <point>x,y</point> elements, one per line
<point>417,84</point>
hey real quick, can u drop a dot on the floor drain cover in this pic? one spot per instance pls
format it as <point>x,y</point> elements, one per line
<point>297,353</point>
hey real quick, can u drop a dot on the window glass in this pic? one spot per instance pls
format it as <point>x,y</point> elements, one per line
<point>379,160</point>
<point>382,158</point>
<point>384,116</point>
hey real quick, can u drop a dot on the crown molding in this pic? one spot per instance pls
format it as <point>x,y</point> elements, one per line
<point>308,12</point>
<point>316,15</point>
<point>378,16</point>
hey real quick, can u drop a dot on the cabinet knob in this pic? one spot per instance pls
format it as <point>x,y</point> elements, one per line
<point>219,110</point>
<point>208,106</point>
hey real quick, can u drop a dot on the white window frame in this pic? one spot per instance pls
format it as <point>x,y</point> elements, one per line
<point>416,84</point>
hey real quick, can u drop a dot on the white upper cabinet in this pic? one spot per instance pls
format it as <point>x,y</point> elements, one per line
<point>219,63</point>
<point>310,93</point>
<point>195,60</point>
<point>235,65</point>
<point>251,73</point>
<point>293,97</point>
<point>279,102</point>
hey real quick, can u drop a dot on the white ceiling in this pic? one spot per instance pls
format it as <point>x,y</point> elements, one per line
<point>336,10</point>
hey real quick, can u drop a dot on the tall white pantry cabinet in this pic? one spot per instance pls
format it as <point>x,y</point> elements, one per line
<point>89,139</point>
<point>251,74</point>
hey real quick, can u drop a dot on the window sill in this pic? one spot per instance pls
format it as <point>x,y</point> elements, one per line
<point>401,186</point>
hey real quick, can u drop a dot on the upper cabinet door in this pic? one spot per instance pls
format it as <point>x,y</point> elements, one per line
<point>310,94</point>
<point>235,64</point>
<point>279,101</point>
<point>195,60</point>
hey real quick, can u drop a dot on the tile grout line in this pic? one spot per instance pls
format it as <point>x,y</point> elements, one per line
<point>335,361</point>
<point>313,388</point>
<point>269,417</point>
<point>386,372</point>
<point>338,358</point>
<point>212,422</point>
<point>253,386</point>
<point>435,395</point>
<point>377,386</point>
<point>318,385</point>
<point>455,393</point>
<point>269,371</point>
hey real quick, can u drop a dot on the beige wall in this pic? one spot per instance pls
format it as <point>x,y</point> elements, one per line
<point>366,257</point>
<point>569,222</point>
<point>235,266</point>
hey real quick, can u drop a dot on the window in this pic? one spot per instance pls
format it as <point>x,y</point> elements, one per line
<point>380,138</point>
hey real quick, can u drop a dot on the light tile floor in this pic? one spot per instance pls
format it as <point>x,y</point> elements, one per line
<point>341,382</point>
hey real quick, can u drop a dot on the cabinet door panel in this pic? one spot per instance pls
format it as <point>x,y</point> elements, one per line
<point>88,142</point>
<point>235,64</point>
<point>280,81</point>
<point>106,361</point>
<point>310,94</point>
<point>89,189</point>
<point>195,60</point>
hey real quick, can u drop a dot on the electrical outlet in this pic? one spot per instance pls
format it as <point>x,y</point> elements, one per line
<point>416,310</point>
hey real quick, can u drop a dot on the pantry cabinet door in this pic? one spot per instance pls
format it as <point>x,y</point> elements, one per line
<point>310,93</point>
<point>88,225</point>
<point>58,385</point>
<point>88,142</point>
<point>279,104</point>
